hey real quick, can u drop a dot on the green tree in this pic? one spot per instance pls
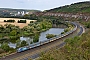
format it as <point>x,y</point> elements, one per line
<point>13,33</point>
<point>5,47</point>
<point>88,25</point>
<point>23,43</point>
<point>1,50</point>
<point>31,21</point>
<point>36,38</point>
<point>48,36</point>
<point>18,43</point>
<point>62,32</point>
<point>66,30</point>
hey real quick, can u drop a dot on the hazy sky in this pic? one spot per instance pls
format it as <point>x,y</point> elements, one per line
<point>36,4</point>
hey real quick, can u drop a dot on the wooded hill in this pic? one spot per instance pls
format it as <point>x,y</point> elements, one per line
<point>80,7</point>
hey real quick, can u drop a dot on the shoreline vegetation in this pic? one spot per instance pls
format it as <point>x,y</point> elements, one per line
<point>12,33</point>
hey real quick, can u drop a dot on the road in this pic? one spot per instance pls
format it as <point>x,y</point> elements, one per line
<point>34,53</point>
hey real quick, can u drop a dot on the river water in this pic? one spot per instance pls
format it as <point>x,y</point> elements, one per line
<point>42,36</point>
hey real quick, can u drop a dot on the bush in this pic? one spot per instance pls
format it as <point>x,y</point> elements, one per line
<point>62,32</point>
<point>21,21</point>
<point>66,30</point>
<point>23,43</point>
<point>31,21</point>
<point>5,47</point>
<point>1,50</point>
<point>5,21</point>
<point>9,21</point>
<point>36,38</point>
<point>48,36</point>
<point>13,33</point>
<point>88,25</point>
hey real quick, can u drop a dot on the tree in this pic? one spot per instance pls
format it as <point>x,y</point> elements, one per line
<point>36,38</point>
<point>1,50</point>
<point>12,21</point>
<point>18,43</point>
<point>88,25</point>
<point>9,25</point>
<point>22,21</point>
<point>23,43</point>
<point>5,47</point>
<point>13,33</point>
<point>31,21</point>
<point>66,30</point>
<point>1,27</point>
<point>5,21</point>
<point>48,36</point>
<point>62,32</point>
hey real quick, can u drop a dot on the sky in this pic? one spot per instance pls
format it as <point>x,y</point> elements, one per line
<point>36,4</point>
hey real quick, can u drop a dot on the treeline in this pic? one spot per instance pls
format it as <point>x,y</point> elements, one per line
<point>31,17</point>
<point>9,21</point>
<point>19,21</point>
<point>22,21</point>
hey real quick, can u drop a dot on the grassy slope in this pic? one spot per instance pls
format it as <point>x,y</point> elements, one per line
<point>76,7</point>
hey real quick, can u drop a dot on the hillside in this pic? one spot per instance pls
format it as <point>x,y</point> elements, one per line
<point>80,7</point>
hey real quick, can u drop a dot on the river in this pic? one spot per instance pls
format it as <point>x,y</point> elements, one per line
<point>42,36</point>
